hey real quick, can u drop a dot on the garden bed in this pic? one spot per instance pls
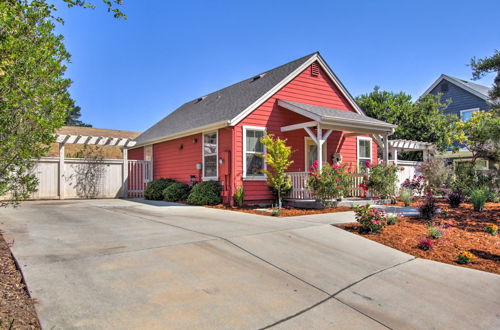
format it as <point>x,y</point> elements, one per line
<point>466,232</point>
<point>16,307</point>
<point>285,212</point>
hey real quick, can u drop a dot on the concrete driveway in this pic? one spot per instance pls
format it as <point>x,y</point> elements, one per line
<point>130,265</point>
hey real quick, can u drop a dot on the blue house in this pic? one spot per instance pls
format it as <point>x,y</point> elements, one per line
<point>466,98</point>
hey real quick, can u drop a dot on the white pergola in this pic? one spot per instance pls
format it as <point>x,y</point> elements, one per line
<point>408,145</point>
<point>64,139</point>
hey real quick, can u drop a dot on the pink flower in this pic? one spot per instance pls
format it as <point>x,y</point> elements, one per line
<point>314,166</point>
<point>362,186</point>
<point>402,169</point>
<point>367,164</point>
<point>336,166</point>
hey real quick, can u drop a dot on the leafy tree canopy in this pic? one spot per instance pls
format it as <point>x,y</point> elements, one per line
<point>486,65</point>
<point>34,98</point>
<point>480,135</point>
<point>73,115</point>
<point>422,120</point>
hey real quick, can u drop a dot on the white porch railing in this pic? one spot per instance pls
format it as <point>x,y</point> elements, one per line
<point>300,190</point>
<point>139,174</point>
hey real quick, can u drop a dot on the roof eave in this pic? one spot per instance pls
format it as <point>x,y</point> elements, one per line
<point>193,131</point>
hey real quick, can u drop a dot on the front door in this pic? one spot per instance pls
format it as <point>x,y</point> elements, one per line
<point>311,152</point>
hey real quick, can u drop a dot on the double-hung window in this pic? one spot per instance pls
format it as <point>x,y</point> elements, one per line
<point>466,115</point>
<point>364,152</point>
<point>210,155</point>
<point>253,162</point>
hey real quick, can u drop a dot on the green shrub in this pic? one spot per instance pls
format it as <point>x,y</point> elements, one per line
<point>205,193</point>
<point>239,197</point>
<point>176,191</point>
<point>467,177</point>
<point>276,212</point>
<point>392,220</point>
<point>478,198</point>
<point>382,180</point>
<point>428,208</point>
<point>154,189</point>
<point>436,174</point>
<point>406,196</point>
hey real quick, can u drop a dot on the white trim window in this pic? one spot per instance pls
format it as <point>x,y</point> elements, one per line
<point>210,149</point>
<point>364,152</point>
<point>466,115</point>
<point>253,149</point>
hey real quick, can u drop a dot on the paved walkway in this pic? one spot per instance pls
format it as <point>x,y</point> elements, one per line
<point>129,265</point>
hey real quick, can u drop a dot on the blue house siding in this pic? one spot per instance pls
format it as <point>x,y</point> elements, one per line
<point>461,99</point>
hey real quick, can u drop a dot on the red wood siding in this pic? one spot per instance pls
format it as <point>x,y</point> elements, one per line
<point>305,88</point>
<point>170,161</point>
<point>136,154</point>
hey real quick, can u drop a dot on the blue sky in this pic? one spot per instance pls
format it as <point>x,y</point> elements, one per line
<point>129,74</point>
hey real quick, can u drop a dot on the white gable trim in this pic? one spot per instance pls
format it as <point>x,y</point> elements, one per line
<point>290,77</point>
<point>456,83</point>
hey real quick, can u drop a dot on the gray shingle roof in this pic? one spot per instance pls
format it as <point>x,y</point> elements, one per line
<point>484,90</point>
<point>333,114</point>
<point>222,105</point>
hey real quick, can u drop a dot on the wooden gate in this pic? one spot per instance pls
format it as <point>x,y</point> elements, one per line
<point>139,174</point>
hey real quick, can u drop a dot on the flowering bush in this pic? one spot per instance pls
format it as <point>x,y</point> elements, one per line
<point>382,180</point>
<point>425,243</point>
<point>328,184</point>
<point>465,257</point>
<point>370,219</point>
<point>491,228</point>
<point>416,184</point>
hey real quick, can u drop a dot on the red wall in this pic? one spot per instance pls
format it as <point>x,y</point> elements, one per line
<point>305,89</point>
<point>171,161</point>
<point>136,154</point>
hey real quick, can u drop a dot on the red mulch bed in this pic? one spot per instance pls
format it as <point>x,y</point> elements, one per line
<point>16,307</point>
<point>285,212</point>
<point>466,233</point>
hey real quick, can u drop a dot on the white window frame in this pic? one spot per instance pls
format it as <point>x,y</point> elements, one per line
<point>468,110</point>
<point>469,160</point>
<point>262,177</point>
<point>216,177</point>
<point>325,152</point>
<point>363,138</point>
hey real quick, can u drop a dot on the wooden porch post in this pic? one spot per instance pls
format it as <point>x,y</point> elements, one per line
<point>386,147</point>
<point>61,170</point>
<point>125,173</point>
<point>319,144</point>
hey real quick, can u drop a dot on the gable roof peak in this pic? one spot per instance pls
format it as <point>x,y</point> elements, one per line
<point>480,91</point>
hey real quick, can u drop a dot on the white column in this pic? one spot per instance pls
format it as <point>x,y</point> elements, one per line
<point>319,144</point>
<point>425,155</point>
<point>395,154</point>
<point>125,173</point>
<point>386,147</point>
<point>61,171</point>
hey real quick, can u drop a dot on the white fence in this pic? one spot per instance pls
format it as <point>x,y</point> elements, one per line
<point>409,170</point>
<point>78,178</point>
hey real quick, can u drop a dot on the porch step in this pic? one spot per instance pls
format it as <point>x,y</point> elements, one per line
<point>312,204</point>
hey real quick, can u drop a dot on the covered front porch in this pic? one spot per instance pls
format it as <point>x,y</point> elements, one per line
<point>342,137</point>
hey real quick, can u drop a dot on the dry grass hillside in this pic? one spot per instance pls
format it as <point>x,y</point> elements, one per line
<point>108,152</point>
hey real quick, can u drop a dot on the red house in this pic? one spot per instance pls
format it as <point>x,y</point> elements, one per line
<point>216,136</point>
